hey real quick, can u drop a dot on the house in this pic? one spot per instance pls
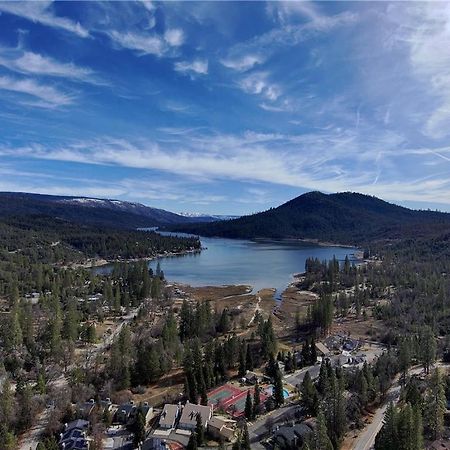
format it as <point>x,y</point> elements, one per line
<point>147,411</point>
<point>188,420</point>
<point>250,378</point>
<point>169,416</point>
<point>106,405</point>
<point>221,428</point>
<point>298,358</point>
<point>33,298</point>
<point>75,444</point>
<point>86,408</point>
<point>440,445</point>
<point>334,342</point>
<point>281,367</point>
<point>95,297</point>
<point>350,344</point>
<point>155,443</point>
<point>292,436</point>
<point>80,423</point>
<point>74,436</point>
<point>126,412</point>
<point>322,349</point>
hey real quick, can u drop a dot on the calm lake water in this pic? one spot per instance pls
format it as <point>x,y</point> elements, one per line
<point>261,264</point>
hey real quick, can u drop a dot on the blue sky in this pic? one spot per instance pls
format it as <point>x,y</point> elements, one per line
<point>226,107</point>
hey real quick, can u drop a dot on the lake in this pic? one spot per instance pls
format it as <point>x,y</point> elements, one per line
<point>261,264</point>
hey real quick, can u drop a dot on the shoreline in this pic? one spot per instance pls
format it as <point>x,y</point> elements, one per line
<point>93,263</point>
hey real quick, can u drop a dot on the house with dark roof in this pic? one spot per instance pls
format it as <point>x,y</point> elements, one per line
<point>147,412</point>
<point>85,409</point>
<point>191,411</point>
<point>106,405</point>
<point>74,436</point>
<point>250,378</point>
<point>126,412</point>
<point>79,423</point>
<point>155,443</point>
<point>293,436</point>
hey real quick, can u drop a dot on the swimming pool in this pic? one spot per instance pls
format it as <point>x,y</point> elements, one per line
<point>269,391</point>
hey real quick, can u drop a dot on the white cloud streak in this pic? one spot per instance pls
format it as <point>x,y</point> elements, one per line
<point>48,96</point>
<point>35,64</point>
<point>332,160</point>
<point>41,12</point>
<point>197,66</point>
<point>147,44</point>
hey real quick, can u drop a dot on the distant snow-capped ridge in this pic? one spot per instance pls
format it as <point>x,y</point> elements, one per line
<point>99,201</point>
<point>211,216</point>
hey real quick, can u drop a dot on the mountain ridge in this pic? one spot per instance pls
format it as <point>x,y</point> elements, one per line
<point>345,217</point>
<point>90,210</point>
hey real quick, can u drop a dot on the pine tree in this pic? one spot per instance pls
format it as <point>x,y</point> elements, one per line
<point>278,388</point>
<point>248,406</point>
<point>313,353</point>
<point>417,431</point>
<point>387,438</point>
<point>249,365</point>
<point>405,427</point>
<point>245,438</point>
<point>13,337</point>
<point>404,357</point>
<point>70,328</point>
<point>242,360</point>
<point>199,431</point>
<point>321,439</point>
<point>6,404</point>
<point>309,395</point>
<point>427,348</point>
<point>139,428</point>
<point>256,401</point>
<point>435,405</point>
<point>192,444</point>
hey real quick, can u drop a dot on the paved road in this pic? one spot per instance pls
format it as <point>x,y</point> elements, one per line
<point>261,428</point>
<point>366,438</point>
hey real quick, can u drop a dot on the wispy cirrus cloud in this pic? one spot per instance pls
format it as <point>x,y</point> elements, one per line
<point>331,160</point>
<point>242,63</point>
<point>46,96</point>
<point>197,66</point>
<point>42,12</point>
<point>147,43</point>
<point>258,83</point>
<point>26,62</point>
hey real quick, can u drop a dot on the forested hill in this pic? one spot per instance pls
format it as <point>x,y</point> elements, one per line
<point>347,218</point>
<point>91,211</point>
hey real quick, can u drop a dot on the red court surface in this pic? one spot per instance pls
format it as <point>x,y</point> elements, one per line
<point>231,399</point>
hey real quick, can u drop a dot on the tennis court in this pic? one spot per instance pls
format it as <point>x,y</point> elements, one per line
<point>222,394</point>
<point>235,406</point>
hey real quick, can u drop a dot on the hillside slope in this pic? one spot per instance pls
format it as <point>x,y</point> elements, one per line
<point>346,217</point>
<point>92,211</point>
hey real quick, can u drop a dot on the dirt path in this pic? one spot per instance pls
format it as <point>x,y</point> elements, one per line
<point>30,440</point>
<point>257,310</point>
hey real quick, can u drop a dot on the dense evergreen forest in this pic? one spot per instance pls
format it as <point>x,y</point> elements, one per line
<point>32,247</point>
<point>346,218</point>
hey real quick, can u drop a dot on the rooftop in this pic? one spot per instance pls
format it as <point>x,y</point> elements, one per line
<point>190,412</point>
